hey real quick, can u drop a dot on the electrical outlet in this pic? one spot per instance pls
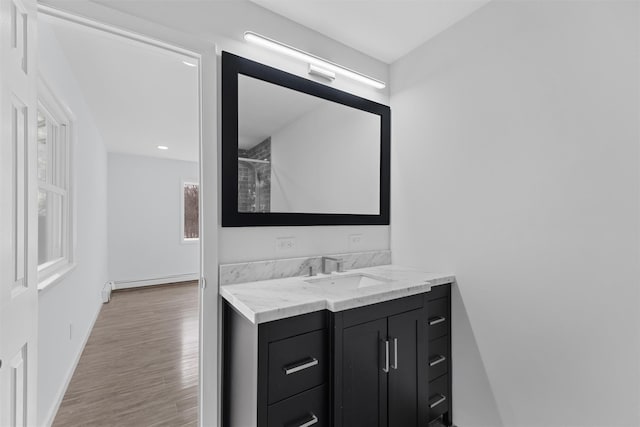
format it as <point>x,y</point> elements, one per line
<point>285,244</point>
<point>355,241</point>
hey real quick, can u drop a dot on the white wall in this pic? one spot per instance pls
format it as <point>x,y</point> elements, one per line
<point>145,216</point>
<point>515,165</point>
<point>327,161</point>
<point>75,301</point>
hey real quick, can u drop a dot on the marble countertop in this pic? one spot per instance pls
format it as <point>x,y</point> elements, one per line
<point>268,300</point>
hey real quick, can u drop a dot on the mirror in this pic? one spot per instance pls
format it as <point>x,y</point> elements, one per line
<point>304,154</point>
<point>297,152</point>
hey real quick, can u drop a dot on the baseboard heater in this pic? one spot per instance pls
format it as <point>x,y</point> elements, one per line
<point>106,292</point>
<point>128,284</point>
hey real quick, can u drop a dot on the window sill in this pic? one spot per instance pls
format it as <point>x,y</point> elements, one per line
<point>190,241</point>
<point>55,277</point>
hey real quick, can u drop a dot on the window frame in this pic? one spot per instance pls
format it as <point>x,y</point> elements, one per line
<point>185,240</point>
<point>59,113</point>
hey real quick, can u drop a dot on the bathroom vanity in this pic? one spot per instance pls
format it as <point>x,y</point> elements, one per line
<point>368,347</point>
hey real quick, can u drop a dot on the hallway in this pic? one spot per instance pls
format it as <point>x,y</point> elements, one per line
<point>140,365</point>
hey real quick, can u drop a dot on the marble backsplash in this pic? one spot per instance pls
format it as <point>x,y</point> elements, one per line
<point>290,267</point>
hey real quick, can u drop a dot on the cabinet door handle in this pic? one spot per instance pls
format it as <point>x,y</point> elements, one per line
<point>394,365</point>
<point>385,368</point>
<point>436,320</point>
<point>291,369</point>
<point>312,421</point>
<point>438,359</point>
<point>439,401</point>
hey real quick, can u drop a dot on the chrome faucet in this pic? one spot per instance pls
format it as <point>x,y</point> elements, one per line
<point>338,261</point>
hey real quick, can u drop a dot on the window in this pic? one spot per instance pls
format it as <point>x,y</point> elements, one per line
<point>190,212</point>
<point>55,252</point>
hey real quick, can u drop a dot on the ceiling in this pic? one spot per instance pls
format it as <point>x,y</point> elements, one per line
<point>139,96</point>
<point>383,29</point>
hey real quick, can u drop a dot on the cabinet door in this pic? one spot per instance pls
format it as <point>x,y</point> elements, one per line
<point>364,382</point>
<point>407,375</point>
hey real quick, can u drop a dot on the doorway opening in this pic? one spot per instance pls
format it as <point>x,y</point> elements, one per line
<point>134,201</point>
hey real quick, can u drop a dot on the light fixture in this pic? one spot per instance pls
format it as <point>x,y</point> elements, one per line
<point>325,65</point>
<point>190,64</point>
<point>162,147</point>
<point>314,70</point>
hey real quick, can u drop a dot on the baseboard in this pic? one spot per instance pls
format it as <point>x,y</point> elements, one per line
<point>63,390</point>
<point>157,281</point>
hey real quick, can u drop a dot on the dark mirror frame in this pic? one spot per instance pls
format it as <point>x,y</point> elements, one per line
<point>232,66</point>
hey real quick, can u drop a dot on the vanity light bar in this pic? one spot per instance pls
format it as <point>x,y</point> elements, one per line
<point>277,46</point>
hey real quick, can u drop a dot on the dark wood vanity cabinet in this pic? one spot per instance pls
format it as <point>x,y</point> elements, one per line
<point>384,365</point>
<point>438,303</point>
<point>276,374</point>
<point>391,362</point>
<point>377,369</point>
<point>293,371</point>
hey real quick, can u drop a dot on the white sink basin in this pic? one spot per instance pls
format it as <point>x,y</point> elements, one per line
<point>353,281</point>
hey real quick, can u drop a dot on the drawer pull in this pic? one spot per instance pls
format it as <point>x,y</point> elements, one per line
<point>439,401</point>
<point>436,360</point>
<point>436,320</point>
<point>312,421</point>
<point>299,367</point>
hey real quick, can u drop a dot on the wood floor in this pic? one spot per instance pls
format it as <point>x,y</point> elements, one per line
<point>140,365</point>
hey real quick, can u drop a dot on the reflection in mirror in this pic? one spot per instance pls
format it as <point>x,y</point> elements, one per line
<point>298,153</point>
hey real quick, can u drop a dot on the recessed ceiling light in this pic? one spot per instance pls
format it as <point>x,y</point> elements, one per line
<point>190,64</point>
<point>162,147</point>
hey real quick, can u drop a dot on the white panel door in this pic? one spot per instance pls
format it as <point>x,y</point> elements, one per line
<point>18,213</point>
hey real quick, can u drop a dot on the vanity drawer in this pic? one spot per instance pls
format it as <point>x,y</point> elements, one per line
<point>297,364</point>
<point>438,360</point>
<point>439,399</point>
<point>438,322</point>
<point>305,409</point>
